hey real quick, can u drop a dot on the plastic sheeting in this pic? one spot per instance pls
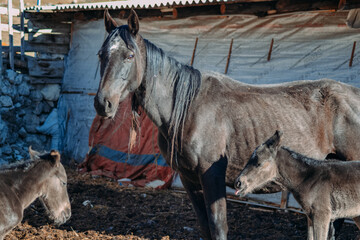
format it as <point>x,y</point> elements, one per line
<point>110,154</point>
<point>308,45</point>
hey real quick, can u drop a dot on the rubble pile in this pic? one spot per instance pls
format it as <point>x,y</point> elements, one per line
<point>24,107</point>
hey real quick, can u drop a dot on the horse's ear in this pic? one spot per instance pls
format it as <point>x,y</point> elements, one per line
<point>133,22</point>
<point>110,23</point>
<point>34,155</point>
<point>274,142</point>
<point>55,156</point>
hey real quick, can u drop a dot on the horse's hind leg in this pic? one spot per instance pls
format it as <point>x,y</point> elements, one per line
<point>213,182</point>
<point>197,200</point>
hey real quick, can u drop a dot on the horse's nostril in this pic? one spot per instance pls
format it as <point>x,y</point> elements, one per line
<point>237,184</point>
<point>109,105</point>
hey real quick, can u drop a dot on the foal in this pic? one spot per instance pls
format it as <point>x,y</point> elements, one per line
<point>43,177</point>
<point>326,190</point>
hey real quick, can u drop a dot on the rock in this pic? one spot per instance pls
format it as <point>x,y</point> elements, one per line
<point>6,88</point>
<point>5,101</point>
<point>18,79</point>
<point>35,141</point>
<point>22,132</point>
<point>6,150</point>
<point>4,131</point>
<point>12,138</point>
<point>17,105</point>
<point>24,89</point>
<point>11,75</point>
<point>30,122</point>
<point>38,108</point>
<point>51,92</point>
<point>36,96</point>
<point>47,107</point>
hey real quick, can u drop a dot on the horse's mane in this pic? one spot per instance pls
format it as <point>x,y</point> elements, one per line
<point>186,82</point>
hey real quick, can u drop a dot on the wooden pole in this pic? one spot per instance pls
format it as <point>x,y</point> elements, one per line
<point>1,57</point>
<point>11,34</point>
<point>270,50</point>
<point>193,55</point>
<point>22,35</point>
<point>229,55</point>
<point>352,54</point>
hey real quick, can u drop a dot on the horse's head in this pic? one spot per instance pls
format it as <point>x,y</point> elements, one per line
<point>261,168</point>
<point>122,64</point>
<point>54,195</point>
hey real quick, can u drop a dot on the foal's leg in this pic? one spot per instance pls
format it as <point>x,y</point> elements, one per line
<point>213,182</point>
<point>197,200</point>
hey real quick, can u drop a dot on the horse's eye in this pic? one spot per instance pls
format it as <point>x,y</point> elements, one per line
<point>63,183</point>
<point>130,56</point>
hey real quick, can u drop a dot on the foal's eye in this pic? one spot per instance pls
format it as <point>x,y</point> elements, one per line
<point>63,183</point>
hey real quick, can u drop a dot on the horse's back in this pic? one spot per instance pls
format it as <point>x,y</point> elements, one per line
<point>241,116</point>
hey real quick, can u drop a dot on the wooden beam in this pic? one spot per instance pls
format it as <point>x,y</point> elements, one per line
<point>48,38</point>
<point>45,68</point>
<point>46,48</point>
<point>45,80</point>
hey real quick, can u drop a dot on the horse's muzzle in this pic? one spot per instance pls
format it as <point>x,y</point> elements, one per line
<point>103,106</point>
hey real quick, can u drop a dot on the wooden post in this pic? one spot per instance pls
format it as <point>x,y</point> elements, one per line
<point>352,54</point>
<point>193,55</point>
<point>22,34</point>
<point>11,35</point>
<point>270,50</point>
<point>1,57</point>
<point>229,55</point>
<point>284,199</point>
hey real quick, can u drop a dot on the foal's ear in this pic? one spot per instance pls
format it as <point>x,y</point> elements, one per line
<point>110,23</point>
<point>34,155</point>
<point>274,142</point>
<point>55,156</point>
<point>133,22</point>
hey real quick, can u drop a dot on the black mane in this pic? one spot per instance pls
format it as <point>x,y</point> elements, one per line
<point>186,82</point>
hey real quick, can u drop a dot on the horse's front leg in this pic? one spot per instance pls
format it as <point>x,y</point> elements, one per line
<point>214,188</point>
<point>321,225</point>
<point>196,196</point>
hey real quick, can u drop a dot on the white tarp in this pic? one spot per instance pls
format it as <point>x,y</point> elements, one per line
<point>309,45</point>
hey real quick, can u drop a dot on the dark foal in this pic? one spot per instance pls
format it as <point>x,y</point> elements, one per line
<point>43,177</point>
<point>326,190</point>
<point>208,123</point>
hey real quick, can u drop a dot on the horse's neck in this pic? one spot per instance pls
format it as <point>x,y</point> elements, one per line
<point>28,184</point>
<point>292,171</point>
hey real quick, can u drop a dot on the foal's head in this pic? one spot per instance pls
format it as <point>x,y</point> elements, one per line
<point>261,168</point>
<point>122,64</point>
<point>54,195</point>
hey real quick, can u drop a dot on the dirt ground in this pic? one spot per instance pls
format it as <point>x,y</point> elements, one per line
<point>115,212</point>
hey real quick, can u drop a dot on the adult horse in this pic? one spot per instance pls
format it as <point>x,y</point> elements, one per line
<point>209,124</point>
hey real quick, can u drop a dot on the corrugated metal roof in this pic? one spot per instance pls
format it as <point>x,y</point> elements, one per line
<point>125,4</point>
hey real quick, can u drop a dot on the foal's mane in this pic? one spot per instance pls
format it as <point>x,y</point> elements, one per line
<point>24,165</point>
<point>303,158</point>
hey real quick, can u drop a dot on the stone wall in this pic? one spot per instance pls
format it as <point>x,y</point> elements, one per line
<point>24,107</point>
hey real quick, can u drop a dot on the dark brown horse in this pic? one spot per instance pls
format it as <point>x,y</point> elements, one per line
<point>209,124</point>
<point>43,177</point>
<point>326,190</point>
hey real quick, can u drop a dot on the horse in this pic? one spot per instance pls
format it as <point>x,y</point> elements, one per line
<point>208,122</point>
<point>43,177</point>
<point>326,190</point>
